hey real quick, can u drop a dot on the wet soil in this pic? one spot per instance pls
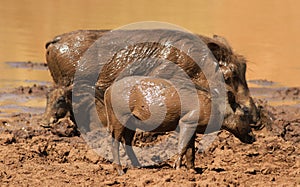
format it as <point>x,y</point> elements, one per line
<point>33,155</point>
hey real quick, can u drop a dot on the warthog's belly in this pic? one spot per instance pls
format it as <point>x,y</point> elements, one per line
<point>156,104</point>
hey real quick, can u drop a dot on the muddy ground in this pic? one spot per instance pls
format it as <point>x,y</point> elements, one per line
<point>31,155</point>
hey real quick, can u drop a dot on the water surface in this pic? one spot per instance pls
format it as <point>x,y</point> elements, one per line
<point>266,32</point>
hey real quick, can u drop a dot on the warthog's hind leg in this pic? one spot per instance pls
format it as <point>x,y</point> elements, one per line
<point>116,155</point>
<point>128,147</point>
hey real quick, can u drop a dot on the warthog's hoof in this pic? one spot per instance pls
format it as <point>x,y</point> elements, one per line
<point>119,169</point>
<point>192,171</point>
<point>120,172</point>
<point>177,163</point>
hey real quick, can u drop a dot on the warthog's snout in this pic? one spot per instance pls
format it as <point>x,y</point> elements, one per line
<point>249,138</point>
<point>244,131</point>
<point>238,124</point>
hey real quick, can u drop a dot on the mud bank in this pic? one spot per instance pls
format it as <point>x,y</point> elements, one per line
<point>32,155</point>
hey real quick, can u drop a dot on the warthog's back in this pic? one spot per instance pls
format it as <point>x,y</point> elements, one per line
<point>65,51</point>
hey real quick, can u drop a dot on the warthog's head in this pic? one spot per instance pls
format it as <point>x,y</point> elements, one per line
<point>234,67</point>
<point>239,126</point>
<point>58,105</point>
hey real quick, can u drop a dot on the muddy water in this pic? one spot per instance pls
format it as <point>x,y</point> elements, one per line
<point>266,32</point>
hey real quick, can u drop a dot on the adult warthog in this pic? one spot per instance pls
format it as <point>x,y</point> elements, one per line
<point>64,55</point>
<point>154,105</point>
<point>65,51</point>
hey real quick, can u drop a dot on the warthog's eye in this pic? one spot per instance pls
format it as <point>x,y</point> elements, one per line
<point>61,99</point>
<point>60,102</point>
<point>228,80</point>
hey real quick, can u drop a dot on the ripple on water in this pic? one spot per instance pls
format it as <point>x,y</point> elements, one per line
<point>11,104</point>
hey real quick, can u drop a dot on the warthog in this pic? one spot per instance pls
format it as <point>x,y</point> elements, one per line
<point>128,108</point>
<point>64,53</point>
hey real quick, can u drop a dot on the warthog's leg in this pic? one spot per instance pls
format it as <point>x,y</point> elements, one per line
<point>116,156</point>
<point>117,131</point>
<point>188,150</point>
<point>187,133</point>
<point>129,134</point>
<point>190,153</point>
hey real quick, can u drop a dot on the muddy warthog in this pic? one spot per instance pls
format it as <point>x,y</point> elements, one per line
<point>128,108</point>
<point>65,51</point>
<point>64,54</point>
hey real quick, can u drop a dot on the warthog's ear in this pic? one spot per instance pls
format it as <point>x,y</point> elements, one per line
<point>223,41</point>
<point>214,48</point>
<point>56,39</point>
<point>220,49</point>
<point>221,53</point>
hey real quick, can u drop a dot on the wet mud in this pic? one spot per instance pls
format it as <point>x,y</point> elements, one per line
<point>34,154</point>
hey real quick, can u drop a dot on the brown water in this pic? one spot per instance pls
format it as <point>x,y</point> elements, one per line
<point>266,32</point>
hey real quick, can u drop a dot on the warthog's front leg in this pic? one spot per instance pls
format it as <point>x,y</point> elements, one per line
<point>190,153</point>
<point>188,150</point>
<point>187,134</point>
